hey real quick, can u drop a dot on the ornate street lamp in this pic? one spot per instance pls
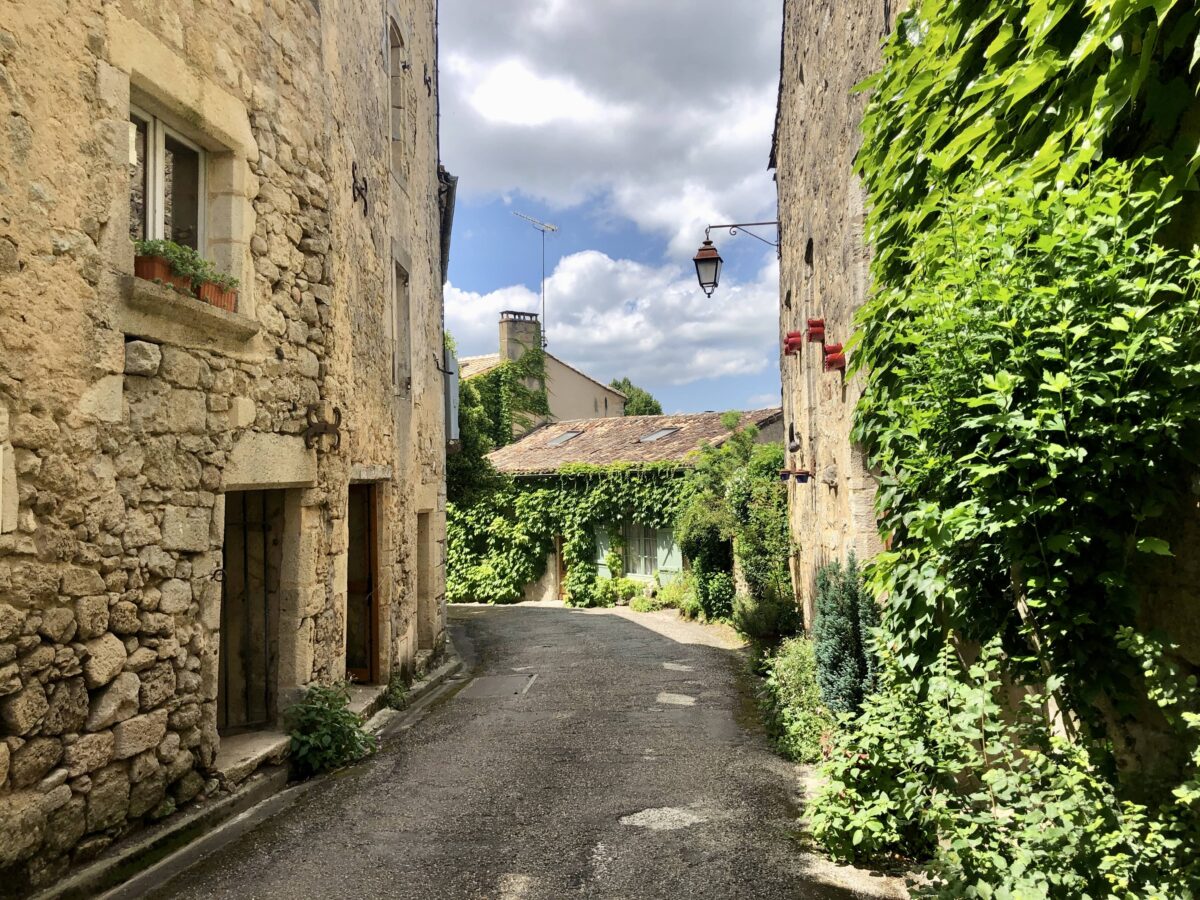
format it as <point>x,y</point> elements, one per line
<point>708,261</point>
<point>708,266</point>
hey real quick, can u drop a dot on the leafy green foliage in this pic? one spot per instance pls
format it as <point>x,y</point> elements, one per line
<point>846,615</point>
<point>1031,356</point>
<point>616,591</point>
<point>790,700</point>
<point>971,90</point>
<point>737,508</point>
<point>1005,808</point>
<point>326,734</point>
<point>498,544</point>
<point>510,395</point>
<point>638,402</point>
<point>185,262</point>
<point>397,690</point>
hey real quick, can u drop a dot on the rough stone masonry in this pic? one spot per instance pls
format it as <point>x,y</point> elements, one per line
<point>141,428</point>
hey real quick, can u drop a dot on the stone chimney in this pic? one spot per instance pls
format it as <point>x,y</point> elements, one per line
<point>519,331</point>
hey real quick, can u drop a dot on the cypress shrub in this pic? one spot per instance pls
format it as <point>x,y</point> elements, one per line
<point>845,614</point>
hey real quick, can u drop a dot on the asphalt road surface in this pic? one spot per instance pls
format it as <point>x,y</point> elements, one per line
<point>590,753</point>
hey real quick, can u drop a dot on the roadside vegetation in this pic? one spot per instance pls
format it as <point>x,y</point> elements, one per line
<point>325,733</point>
<point>1029,354</point>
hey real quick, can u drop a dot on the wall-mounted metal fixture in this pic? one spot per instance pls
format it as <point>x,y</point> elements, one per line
<point>358,189</point>
<point>835,358</point>
<point>792,342</point>
<point>816,331</point>
<point>802,476</point>
<point>428,81</point>
<point>708,261</point>
<point>323,418</point>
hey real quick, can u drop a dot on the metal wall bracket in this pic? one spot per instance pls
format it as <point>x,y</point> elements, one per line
<point>358,189</point>
<point>318,417</point>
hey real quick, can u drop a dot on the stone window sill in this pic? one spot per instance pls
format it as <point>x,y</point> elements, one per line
<point>157,312</point>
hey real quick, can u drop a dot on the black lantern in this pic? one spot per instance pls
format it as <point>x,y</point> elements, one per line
<point>708,267</point>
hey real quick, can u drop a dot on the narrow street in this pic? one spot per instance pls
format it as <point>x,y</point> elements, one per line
<point>631,765</point>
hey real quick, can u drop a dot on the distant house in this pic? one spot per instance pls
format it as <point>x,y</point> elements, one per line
<point>570,393</point>
<point>542,453</point>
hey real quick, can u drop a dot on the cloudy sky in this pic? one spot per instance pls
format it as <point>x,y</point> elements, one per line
<point>630,124</point>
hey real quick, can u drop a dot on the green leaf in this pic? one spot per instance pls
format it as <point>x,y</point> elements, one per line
<point>1156,546</point>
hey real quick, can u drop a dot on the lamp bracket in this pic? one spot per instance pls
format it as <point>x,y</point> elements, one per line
<point>736,227</point>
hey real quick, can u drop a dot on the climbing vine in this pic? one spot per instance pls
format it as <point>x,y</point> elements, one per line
<point>1031,355</point>
<point>490,405</point>
<point>500,544</point>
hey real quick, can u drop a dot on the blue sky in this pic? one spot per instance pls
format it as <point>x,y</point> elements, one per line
<point>619,122</point>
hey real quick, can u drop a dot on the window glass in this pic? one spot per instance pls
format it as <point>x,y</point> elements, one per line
<point>181,193</point>
<point>563,438</point>
<point>138,185</point>
<point>641,549</point>
<point>657,435</point>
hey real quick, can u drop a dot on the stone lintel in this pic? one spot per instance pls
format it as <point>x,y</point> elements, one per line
<point>261,460</point>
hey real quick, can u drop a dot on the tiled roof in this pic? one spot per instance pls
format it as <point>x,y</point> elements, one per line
<point>602,442</point>
<point>470,366</point>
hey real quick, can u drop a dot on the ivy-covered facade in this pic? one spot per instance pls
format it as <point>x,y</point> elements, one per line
<point>572,502</point>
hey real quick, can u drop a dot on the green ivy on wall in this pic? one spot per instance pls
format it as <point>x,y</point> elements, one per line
<point>500,544</point>
<point>1031,356</point>
<point>490,405</point>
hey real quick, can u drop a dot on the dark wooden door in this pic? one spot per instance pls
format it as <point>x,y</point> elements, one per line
<point>362,611</point>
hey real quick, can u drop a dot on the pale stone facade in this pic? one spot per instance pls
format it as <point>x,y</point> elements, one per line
<point>829,46</point>
<point>570,394</point>
<point>176,559</point>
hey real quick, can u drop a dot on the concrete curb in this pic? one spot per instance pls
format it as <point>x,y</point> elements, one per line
<point>154,856</point>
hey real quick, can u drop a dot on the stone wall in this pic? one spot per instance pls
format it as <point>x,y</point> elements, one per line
<point>130,415</point>
<point>829,46</point>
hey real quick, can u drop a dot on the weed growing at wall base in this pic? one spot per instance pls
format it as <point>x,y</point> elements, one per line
<point>326,734</point>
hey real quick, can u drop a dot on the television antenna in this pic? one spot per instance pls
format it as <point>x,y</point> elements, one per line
<point>543,227</point>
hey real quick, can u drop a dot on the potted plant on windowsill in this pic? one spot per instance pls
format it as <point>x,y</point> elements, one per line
<point>183,269</point>
<point>219,291</point>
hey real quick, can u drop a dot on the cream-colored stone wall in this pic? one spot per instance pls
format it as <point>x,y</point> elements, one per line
<point>131,417</point>
<point>829,46</point>
<point>572,395</point>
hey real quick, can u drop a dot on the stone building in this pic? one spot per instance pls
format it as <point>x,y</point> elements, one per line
<point>829,46</point>
<point>539,457</point>
<point>570,393</point>
<point>203,510</point>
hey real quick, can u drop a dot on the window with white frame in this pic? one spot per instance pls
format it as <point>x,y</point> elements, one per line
<point>166,183</point>
<point>641,549</point>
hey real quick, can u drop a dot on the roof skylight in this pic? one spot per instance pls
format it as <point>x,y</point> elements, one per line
<point>564,438</point>
<point>657,435</point>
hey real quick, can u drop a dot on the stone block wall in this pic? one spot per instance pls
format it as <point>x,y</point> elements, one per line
<point>829,46</point>
<point>131,415</point>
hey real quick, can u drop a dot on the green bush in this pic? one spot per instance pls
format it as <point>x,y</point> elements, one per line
<point>791,702</point>
<point>397,690</point>
<point>1005,809</point>
<point>845,616</point>
<point>326,734</point>
<point>714,593</point>
<point>767,619</point>
<point>615,591</point>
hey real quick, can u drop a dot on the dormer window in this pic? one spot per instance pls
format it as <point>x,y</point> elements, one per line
<point>166,183</point>
<point>563,438</point>
<point>657,435</point>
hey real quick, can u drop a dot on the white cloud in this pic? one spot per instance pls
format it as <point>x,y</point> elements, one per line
<point>664,109</point>
<point>616,317</point>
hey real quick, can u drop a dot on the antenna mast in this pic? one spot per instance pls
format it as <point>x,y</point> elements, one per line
<point>543,227</point>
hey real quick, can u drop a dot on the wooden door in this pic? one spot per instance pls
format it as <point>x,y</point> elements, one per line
<point>362,613</point>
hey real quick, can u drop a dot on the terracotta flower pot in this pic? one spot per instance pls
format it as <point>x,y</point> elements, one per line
<point>155,268</point>
<point>218,296</point>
